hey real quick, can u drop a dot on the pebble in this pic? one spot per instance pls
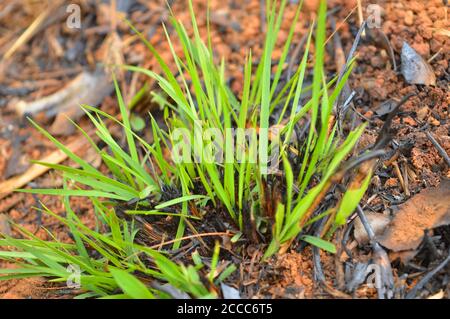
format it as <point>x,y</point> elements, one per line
<point>410,121</point>
<point>433,121</point>
<point>409,18</point>
<point>377,62</point>
<point>423,48</point>
<point>391,182</point>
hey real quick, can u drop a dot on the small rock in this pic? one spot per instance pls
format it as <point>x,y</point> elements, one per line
<point>391,182</point>
<point>375,89</point>
<point>368,114</point>
<point>410,121</point>
<point>433,121</point>
<point>422,113</point>
<point>5,228</point>
<point>377,61</point>
<point>409,18</point>
<point>311,5</point>
<point>422,48</point>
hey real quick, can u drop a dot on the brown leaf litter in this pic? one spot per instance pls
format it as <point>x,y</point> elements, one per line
<point>415,69</point>
<point>426,210</point>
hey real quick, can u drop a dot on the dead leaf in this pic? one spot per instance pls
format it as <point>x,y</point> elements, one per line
<point>426,210</point>
<point>376,220</point>
<point>415,69</point>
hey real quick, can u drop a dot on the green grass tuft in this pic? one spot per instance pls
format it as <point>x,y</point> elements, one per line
<point>112,263</point>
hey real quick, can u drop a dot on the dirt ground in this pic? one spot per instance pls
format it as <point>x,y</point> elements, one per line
<point>56,54</point>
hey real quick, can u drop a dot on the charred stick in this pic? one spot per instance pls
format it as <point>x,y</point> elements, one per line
<point>295,55</point>
<point>413,292</point>
<point>368,228</point>
<point>318,271</point>
<point>380,258</point>
<point>439,148</point>
<point>385,134</point>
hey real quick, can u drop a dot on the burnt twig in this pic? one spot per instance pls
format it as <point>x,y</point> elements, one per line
<point>363,158</point>
<point>385,282</point>
<point>412,293</point>
<point>318,271</point>
<point>439,148</point>
<point>295,56</point>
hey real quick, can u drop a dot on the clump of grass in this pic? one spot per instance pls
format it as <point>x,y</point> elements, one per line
<point>106,274</point>
<point>197,101</point>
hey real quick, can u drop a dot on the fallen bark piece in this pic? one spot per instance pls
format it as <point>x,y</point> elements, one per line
<point>415,69</point>
<point>35,170</point>
<point>426,210</point>
<point>87,88</point>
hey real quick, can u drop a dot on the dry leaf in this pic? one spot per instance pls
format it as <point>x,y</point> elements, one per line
<point>415,69</point>
<point>426,210</point>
